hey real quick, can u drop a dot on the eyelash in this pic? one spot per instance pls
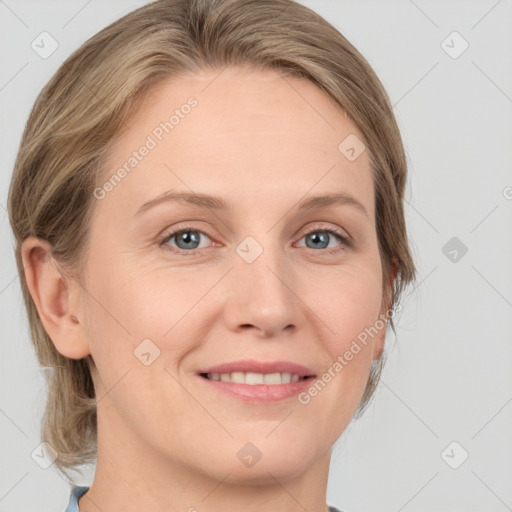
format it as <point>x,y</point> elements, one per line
<point>345,240</point>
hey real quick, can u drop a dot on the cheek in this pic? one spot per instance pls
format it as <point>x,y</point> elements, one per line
<point>128,304</point>
<point>138,302</point>
<point>348,308</point>
<point>348,303</point>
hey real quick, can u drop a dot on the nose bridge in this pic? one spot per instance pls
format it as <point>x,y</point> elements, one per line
<point>263,295</point>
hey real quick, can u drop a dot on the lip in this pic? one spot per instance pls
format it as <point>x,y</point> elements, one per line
<point>251,365</point>
<point>259,393</point>
<point>262,393</point>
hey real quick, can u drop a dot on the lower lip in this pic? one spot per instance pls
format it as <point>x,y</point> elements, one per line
<point>260,392</point>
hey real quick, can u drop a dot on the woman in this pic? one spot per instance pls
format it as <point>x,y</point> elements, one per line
<point>208,209</point>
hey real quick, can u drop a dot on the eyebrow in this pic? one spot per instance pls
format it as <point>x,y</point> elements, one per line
<point>216,203</point>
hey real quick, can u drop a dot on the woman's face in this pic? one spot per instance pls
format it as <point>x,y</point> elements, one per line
<point>244,284</point>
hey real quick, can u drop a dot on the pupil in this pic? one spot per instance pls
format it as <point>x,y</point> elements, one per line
<point>188,238</point>
<point>318,238</point>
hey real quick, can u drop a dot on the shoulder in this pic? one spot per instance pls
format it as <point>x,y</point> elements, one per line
<point>76,492</point>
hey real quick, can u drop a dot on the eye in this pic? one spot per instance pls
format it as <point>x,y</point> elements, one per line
<point>318,238</point>
<point>187,240</point>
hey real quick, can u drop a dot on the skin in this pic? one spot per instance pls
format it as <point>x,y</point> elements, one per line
<point>166,440</point>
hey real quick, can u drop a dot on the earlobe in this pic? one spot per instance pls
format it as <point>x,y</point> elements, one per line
<point>55,298</point>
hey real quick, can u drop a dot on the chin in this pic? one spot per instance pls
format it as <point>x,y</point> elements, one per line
<point>264,472</point>
<point>263,460</point>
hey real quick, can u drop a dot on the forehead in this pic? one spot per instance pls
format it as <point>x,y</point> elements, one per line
<point>255,137</point>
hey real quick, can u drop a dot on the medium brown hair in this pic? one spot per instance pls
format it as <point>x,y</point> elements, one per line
<point>87,104</point>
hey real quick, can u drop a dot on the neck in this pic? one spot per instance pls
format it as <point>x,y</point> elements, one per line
<point>131,476</point>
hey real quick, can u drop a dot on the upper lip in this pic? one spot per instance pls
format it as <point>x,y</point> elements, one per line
<point>251,365</point>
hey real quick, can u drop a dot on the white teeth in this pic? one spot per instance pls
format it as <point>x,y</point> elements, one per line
<point>252,378</point>
<point>286,378</point>
<point>238,377</point>
<point>272,378</point>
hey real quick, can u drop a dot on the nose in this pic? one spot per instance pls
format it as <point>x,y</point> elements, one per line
<point>263,295</point>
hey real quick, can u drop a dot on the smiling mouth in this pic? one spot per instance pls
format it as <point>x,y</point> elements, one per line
<point>254,379</point>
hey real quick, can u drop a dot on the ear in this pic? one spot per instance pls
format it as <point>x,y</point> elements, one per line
<point>56,298</point>
<point>380,337</point>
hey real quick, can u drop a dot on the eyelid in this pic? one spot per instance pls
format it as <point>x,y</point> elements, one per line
<point>319,226</point>
<point>168,235</point>
<point>346,239</point>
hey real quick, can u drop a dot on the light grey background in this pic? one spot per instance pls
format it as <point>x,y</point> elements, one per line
<point>448,375</point>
